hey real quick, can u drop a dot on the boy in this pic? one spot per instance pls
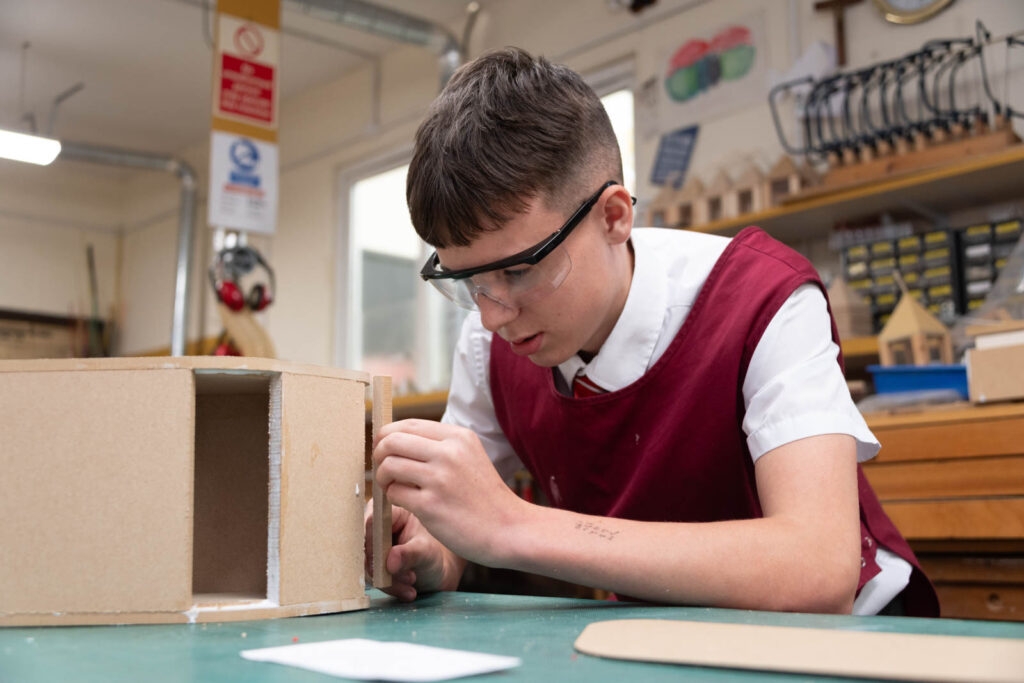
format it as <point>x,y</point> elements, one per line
<point>677,396</point>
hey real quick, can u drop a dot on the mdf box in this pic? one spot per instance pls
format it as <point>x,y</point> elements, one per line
<point>179,490</point>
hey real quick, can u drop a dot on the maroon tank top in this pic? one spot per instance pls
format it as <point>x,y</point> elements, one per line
<point>670,447</point>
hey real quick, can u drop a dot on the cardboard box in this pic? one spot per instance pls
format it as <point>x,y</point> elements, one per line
<point>995,374</point>
<point>146,490</point>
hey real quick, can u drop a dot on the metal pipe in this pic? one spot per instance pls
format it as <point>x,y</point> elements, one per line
<point>112,156</point>
<point>388,23</point>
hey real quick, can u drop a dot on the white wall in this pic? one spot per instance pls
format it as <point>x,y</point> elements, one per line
<point>48,216</point>
<point>330,129</point>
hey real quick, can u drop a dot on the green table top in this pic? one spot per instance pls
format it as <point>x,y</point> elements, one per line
<point>540,631</point>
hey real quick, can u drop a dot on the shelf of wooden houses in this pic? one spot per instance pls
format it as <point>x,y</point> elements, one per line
<point>971,181</point>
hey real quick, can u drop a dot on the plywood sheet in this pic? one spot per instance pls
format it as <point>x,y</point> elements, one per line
<point>821,652</point>
<point>100,510</point>
<point>322,442</point>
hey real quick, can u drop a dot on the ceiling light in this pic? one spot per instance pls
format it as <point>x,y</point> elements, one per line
<point>31,148</point>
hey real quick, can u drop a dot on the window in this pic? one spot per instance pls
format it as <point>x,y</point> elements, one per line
<point>619,105</point>
<point>396,325</point>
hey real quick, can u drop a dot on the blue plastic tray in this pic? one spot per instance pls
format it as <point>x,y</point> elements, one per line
<point>894,378</point>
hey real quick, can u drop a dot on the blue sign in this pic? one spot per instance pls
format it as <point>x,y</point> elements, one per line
<point>674,152</point>
<point>244,159</point>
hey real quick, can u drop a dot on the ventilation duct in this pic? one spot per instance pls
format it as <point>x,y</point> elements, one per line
<point>387,23</point>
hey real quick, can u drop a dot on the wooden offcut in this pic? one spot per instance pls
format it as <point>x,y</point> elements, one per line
<point>819,652</point>
<point>381,505</point>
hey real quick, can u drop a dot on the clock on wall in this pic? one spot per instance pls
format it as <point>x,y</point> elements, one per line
<point>910,11</point>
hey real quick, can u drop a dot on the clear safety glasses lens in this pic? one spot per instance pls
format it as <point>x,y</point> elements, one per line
<point>513,287</point>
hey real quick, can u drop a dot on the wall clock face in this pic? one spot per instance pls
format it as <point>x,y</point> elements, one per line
<point>910,11</point>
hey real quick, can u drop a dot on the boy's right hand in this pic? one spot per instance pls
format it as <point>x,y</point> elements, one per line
<point>418,562</point>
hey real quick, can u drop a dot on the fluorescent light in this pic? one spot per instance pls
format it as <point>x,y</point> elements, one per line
<point>31,148</point>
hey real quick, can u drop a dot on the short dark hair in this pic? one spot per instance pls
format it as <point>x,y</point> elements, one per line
<point>508,128</point>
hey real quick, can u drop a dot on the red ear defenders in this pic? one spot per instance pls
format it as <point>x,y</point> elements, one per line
<point>226,272</point>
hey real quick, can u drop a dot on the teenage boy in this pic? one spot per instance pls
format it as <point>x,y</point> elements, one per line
<point>677,396</point>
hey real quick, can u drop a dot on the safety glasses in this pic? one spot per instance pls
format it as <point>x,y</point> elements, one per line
<point>517,280</point>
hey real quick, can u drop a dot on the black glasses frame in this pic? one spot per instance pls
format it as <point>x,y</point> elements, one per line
<point>531,256</point>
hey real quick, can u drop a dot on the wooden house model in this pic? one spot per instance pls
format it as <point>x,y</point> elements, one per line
<point>719,199</point>
<point>145,490</point>
<point>750,191</point>
<point>690,209</point>
<point>913,336</point>
<point>786,179</point>
<point>662,209</point>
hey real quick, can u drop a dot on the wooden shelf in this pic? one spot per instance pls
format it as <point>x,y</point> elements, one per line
<point>860,346</point>
<point>976,180</point>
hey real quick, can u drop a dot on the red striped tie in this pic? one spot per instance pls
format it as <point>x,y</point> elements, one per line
<point>583,387</point>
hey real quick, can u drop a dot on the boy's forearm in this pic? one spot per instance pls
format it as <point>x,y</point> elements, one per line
<point>769,563</point>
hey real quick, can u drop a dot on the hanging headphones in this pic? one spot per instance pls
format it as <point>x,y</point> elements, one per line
<point>226,272</point>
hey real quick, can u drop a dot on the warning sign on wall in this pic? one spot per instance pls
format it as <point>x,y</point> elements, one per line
<point>243,144</point>
<point>246,72</point>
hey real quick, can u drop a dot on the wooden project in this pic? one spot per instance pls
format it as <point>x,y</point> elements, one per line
<point>149,490</point>
<point>750,191</point>
<point>819,652</point>
<point>381,506</point>
<point>719,199</point>
<point>786,179</point>
<point>995,366</point>
<point>913,336</point>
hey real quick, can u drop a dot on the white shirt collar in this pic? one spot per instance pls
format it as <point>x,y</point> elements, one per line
<point>626,354</point>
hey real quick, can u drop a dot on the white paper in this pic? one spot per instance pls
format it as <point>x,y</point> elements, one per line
<point>382,660</point>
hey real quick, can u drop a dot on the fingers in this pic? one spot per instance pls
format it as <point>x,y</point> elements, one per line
<point>407,445</point>
<point>428,429</point>
<point>404,470</point>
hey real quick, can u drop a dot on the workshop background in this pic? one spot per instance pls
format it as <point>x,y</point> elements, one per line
<point>89,252</point>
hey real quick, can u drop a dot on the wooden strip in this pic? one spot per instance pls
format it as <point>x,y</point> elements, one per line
<point>816,651</point>
<point>381,505</point>
<point>230,125</point>
<point>952,440</point>
<point>948,478</point>
<point>973,569</point>
<point>949,519</point>
<point>959,413</point>
<point>1000,546</point>
<point>267,12</point>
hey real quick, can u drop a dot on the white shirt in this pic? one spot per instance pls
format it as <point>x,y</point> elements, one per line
<point>793,388</point>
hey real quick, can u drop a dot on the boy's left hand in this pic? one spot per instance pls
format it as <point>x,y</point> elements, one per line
<point>442,474</point>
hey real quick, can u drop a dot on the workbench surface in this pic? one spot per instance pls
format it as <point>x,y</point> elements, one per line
<point>541,631</point>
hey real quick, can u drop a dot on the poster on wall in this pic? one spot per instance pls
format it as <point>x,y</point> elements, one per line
<point>707,74</point>
<point>243,183</point>
<point>243,139</point>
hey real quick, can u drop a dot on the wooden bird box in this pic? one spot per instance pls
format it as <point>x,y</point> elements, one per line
<point>749,191</point>
<point>146,490</point>
<point>719,200</point>
<point>786,179</point>
<point>913,336</point>
<point>690,207</point>
<point>662,209</point>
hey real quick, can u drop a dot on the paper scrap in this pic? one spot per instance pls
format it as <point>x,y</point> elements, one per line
<point>364,659</point>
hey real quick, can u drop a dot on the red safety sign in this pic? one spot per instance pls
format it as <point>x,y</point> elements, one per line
<point>247,89</point>
<point>248,40</point>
